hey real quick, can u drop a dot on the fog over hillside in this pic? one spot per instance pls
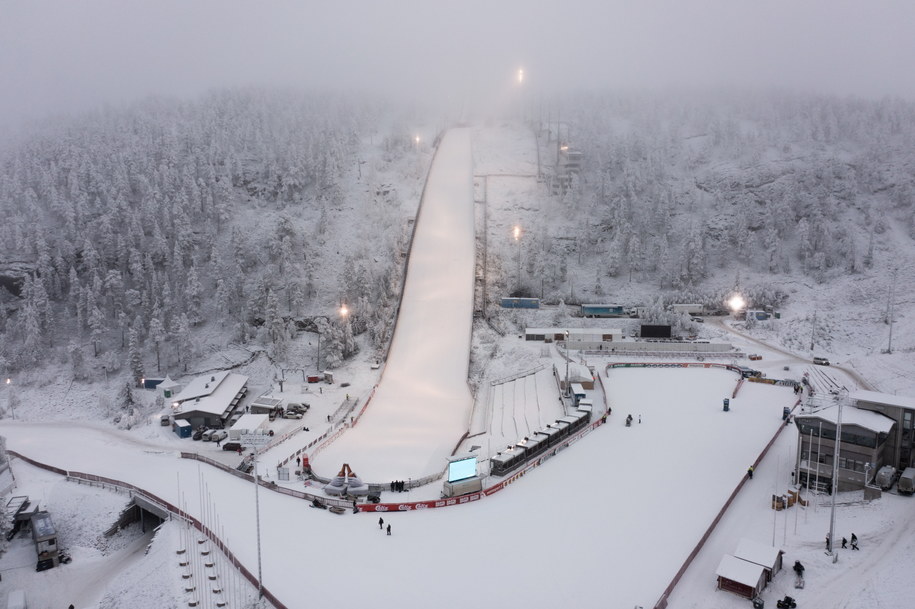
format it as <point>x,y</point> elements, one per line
<point>256,210</point>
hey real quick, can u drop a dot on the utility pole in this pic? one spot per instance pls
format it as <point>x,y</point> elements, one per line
<point>889,310</point>
<point>813,329</point>
<point>835,480</point>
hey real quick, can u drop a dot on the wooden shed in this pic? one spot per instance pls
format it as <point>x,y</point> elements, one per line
<point>741,577</point>
<point>766,556</point>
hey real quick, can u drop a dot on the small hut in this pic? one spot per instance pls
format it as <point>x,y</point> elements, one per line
<point>743,578</point>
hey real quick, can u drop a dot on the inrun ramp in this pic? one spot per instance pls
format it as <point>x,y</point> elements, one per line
<point>422,405</point>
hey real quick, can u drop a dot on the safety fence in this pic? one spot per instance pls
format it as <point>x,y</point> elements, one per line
<point>172,509</point>
<point>737,388</point>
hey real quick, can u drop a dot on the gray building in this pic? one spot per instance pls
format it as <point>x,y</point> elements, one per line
<point>901,409</point>
<point>864,447</point>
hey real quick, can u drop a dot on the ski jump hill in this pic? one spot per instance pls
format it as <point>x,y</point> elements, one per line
<point>422,404</point>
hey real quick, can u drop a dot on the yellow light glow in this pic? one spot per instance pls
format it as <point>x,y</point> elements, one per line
<point>517,233</point>
<point>737,303</point>
<point>343,311</point>
<point>520,76</point>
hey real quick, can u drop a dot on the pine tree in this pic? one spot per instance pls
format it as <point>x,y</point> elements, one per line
<point>181,335</point>
<point>193,292</point>
<point>157,332</point>
<point>134,356</point>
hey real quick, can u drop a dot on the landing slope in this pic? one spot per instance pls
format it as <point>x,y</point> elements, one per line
<point>421,406</point>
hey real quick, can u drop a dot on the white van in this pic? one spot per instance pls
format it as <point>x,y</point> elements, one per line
<point>16,600</point>
<point>906,483</point>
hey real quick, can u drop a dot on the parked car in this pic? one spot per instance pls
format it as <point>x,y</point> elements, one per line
<point>164,420</point>
<point>698,320</point>
<point>295,407</point>
<point>886,477</point>
<point>207,435</point>
<point>219,434</point>
<point>293,414</point>
<point>755,356</point>
<point>231,446</point>
<point>198,435</point>
<point>821,361</point>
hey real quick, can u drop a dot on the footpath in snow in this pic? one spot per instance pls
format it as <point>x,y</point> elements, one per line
<point>421,406</point>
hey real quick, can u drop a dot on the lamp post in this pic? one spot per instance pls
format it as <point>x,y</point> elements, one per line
<point>517,233</point>
<point>9,397</point>
<point>835,480</point>
<point>567,363</point>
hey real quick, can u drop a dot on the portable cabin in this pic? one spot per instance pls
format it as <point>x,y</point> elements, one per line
<point>264,405</point>
<point>576,421</point>
<point>743,578</point>
<point>602,310</point>
<point>532,446</point>
<point>249,424</point>
<point>562,427</point>
<point>182,428</point>
<point>550,435</point>
<point>505,461</point>
<point>520,303</point>
<point>45,538</point>
<point>578,392</point>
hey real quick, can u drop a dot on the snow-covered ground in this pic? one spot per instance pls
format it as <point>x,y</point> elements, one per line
<point>623,507</point>
<point>608,521</point>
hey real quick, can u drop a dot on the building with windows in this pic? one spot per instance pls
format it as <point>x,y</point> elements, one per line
<point>210,400</point>
<point>864,447</point>
<point>901,409</point>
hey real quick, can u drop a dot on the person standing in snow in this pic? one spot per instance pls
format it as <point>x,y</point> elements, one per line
<point>380,523</point>
<point>854,541</point>
<point>750,472</point>
<point>389,529</point>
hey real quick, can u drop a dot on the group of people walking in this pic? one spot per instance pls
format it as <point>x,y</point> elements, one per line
<point>398,485</point>
<point>381,525</point>
<point>854,543</point>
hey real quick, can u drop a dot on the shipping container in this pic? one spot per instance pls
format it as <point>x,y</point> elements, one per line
<point>602,310</point>
<point>520,303</point>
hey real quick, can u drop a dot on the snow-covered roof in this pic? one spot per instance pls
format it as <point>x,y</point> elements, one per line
<point>250,422</point>
<point>220,397</point>
<point>865,419</point>
<point>577,372</point>
<point>739,570</point>
<point>757,552</point>
<point>902,401</point>
<point>167,383</point>
<point>201,386</point>
<point>267,402</point>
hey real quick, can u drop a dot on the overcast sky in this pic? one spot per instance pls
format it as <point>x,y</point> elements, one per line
<point>61,55</point>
